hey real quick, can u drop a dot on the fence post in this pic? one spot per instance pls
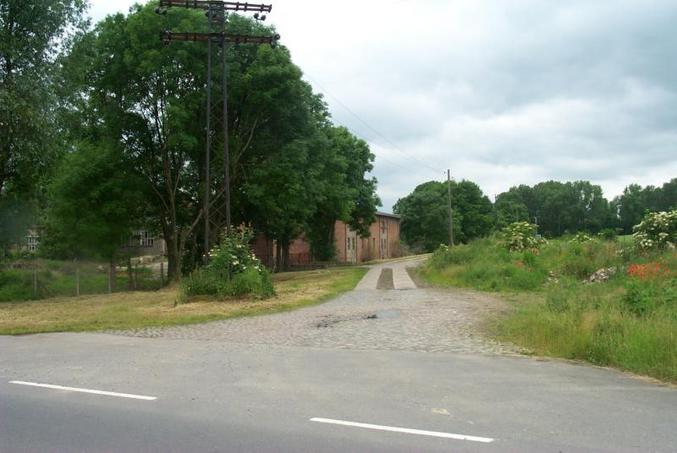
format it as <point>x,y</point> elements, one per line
<point>136,275</point>
<point>110,276</point>
<point>162,274</point>
<point>77,278</point>
<point>35,279</point>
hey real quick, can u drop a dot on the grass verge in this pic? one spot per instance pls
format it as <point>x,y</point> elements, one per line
<point>132,310</point>
<point>628,320</point>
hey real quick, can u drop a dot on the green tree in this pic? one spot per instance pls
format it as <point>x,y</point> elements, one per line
<point>344,192</point>
<point>510,208</point>
<point>33,33</point>
<point>425,217</point>
<point>150,98</point>
<point>425,214</point>
<point>631,206</point>
<point>557,207</point>
<point>94,203</point>
<point>635,201</point>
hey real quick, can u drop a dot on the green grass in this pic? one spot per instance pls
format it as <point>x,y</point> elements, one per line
<point>628,322</point>
<point>57,279</point>
<point>130,310</point>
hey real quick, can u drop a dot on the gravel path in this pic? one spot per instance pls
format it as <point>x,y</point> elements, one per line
<point>420,319</point>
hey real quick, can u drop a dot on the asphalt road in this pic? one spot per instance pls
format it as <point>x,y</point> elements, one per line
<point>218,395</point>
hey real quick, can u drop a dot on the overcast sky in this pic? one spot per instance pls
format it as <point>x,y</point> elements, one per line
<point>502,92</point>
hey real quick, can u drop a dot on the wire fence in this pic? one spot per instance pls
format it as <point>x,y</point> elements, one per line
<point>35,278</point>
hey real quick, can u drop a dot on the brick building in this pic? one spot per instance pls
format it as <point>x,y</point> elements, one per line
<point>382,243</point>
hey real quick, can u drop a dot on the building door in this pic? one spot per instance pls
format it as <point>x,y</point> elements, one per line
<point>351,246</point>
<point>384,240</point>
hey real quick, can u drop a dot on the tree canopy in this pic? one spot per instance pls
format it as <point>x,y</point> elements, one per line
<point>292,171</point>
<point>425,214</point>
<point>32,35</point>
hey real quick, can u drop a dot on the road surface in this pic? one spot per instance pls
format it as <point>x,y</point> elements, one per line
<point>373,370</point>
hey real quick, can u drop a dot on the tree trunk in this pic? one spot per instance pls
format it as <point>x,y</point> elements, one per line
<point>173,258</point>
<point>77,278</point>
<point>278,257</point>
<point>112,275</point>
<point>130,275</point>
<point>270,262</point>
<point>285,256</point>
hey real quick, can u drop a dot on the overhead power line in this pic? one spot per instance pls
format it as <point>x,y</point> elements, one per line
<point>406,154</point>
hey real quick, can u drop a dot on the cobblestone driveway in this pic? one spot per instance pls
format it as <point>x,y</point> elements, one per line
<point>420,319</point>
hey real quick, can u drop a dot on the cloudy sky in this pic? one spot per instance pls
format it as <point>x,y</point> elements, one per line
<point>502,92</point>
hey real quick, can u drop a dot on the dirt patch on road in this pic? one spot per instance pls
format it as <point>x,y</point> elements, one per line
<point>385,280</point>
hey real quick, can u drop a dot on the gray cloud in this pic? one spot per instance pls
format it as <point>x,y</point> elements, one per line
<point>502,92</point>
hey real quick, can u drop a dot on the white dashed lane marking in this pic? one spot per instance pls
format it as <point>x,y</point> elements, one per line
<point>81,390</point>
<point>395,429</point>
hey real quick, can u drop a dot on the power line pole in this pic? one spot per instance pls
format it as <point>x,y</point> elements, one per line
<point>451,213</point>
<point>216,12</point>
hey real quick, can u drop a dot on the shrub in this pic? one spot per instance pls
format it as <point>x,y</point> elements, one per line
<point>520,236</point>
<point>232,255</point>
<point>608,234</point>
<point>646,295</point>
<point>657,231</point>
<point>581,237</point>
<point>233,271</point>
<point>445,255</point>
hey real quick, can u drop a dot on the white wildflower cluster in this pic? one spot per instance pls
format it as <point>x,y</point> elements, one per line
<point>519,236</point>
<point>581,238</point>
<point>658,230</point>
<point>233,255</point>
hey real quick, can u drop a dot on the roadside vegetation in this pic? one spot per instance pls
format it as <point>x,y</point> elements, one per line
<point>611,301</point>
<point>233,270</point>
<point>32,278</point>
<point>130,310</point>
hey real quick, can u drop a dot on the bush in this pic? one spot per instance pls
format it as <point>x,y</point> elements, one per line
<point>520,236</point>
<point>608,234</point>
<point>657,231</point>
<point>581,237</point>
<point>445,255</point>
<point>645,295</point>
<point>233,271</point>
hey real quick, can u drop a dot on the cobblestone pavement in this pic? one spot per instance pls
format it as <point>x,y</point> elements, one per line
<point>420,319</point>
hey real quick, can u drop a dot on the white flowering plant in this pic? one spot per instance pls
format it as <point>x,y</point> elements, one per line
<point>233,271</point>
<point>581,238</point>
<point>657,231</point>
<point>232,255</point>
<point>520,236</point>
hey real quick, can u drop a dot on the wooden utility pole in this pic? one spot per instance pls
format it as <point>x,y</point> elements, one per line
<point>216,38</point>
<point>451,213</point>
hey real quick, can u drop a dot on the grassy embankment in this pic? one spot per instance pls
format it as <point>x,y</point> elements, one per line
<point>128,310</point>
<point>629,321</point>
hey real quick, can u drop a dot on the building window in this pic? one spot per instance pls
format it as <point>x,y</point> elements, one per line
<point>146,239</point>
<point>32,242</point>
<point>141,238</point>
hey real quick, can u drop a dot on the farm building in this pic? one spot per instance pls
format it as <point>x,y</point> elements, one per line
<point>382,243</point>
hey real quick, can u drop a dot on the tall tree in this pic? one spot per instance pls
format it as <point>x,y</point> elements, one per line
<point>149,98</point>
<point>94,203</point>
<point>636,201</point>
<point>33,33</point>
<point>344,191</point>
<point>425,215</point>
